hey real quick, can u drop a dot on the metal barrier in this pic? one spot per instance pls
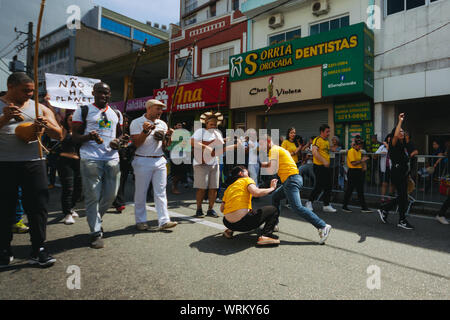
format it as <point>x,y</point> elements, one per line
<point>426,172</point>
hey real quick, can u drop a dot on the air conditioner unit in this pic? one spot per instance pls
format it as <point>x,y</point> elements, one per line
<point>276,21</point>
<point>320,7</point>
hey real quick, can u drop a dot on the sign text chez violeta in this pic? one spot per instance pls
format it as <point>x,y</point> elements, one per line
<point>345,55</point>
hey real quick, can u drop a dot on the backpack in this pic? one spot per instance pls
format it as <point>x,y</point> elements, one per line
<point>84,113</point>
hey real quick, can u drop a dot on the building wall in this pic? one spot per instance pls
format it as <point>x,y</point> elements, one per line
<point>300,15</point>
<point>89,44</point>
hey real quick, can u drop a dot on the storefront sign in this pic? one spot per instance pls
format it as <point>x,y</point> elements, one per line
<point>132,105</point>
<point>352,112</point>
<point>365,130</point>
<point>345,56</point>
<point>209,93</point>
<point>280,88</point>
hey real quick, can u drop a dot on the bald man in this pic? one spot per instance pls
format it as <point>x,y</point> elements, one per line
<point>100,170</point>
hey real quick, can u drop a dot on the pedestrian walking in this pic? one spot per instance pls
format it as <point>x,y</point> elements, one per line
<point>150,135</point>
<point>385,168</point>
<point>281,163</point>
<point>21,166</point>
<point>399,176</point>
<point>68,166</point>
<point>356,174</point>
<point>237,208</point>
<point>94,127</point>
<point>322,170</point>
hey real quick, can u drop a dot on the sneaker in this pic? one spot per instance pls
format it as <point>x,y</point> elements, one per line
<point>199,213</point>
<point>266,240</point>
<point>345,209</point>
<point>6,258</point>
<point>405,225</point>
<point>218,200</point>
<point>329,208</point>
<point>442,219</point>
<point>212,213</point>
<point>142,226</point>
<point>120,209</point>
<point>43,259</point>
<point>168,225</point>
<point>383,215</point>
<point>74,213</point>
<point>309,205</point>
<point>97,242</point>
<point>324,233</point>
<point>20,227</point>
<point>69,220</point>
<point>366,210</point>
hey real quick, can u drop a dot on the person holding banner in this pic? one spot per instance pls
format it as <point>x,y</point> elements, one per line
<point>150,134</point>
<point>95,126</point>
<point>21,166</point>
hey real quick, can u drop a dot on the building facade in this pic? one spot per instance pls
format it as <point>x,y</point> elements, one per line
<point>209,33</point>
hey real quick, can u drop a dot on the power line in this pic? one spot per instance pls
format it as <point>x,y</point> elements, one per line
<point>4,48</point>
<point>406,43</point>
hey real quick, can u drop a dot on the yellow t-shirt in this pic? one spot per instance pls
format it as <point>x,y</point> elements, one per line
<point>324,149</point>
<point>286,165</point>
<point>237,197</point>
<point>290,146</point>
<point>353,155</point>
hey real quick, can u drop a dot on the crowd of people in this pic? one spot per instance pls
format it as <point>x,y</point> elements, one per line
<point>94,149</point>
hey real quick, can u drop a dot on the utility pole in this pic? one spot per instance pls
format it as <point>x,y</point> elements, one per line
<point>30,50</point>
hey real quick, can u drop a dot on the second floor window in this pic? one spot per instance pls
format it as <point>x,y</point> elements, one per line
<point>394,6</point>
<point>220,58</point>
<point>187,74</point>
<point>235,4</point>
<point>329,25</point>
<point>190,20</point>
<point>285,36</point>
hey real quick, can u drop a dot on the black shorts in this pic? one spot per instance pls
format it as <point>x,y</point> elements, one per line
<point>385,177</point>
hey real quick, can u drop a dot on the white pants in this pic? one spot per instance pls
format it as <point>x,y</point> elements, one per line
<point>148,170</point>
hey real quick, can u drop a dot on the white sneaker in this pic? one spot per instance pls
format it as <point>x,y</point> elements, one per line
<point>74,214</point>
<point>324,233</point>
<point>309,205</point>
<point>442,220</point>
<point>329,208</point>
<point>69,219</point>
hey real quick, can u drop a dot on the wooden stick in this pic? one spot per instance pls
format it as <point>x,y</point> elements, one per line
<point>36,61</point>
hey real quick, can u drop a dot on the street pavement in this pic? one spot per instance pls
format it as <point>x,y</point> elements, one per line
<point>362,259</point>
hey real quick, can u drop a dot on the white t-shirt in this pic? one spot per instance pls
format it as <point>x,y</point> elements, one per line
<point>208,136</point>
<point>383,151</point>
<point>150,147</point>
<point>104,122</point>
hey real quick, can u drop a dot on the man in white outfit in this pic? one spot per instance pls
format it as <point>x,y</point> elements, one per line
<point>149,164</point>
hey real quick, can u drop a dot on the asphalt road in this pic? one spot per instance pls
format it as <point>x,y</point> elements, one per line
<point>362,259</point>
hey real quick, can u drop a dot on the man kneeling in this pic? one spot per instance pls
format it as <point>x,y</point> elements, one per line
<point>237,208</point>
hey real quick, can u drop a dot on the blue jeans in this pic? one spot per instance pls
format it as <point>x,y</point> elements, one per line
<point>291,190</point>
<point>100,185</point>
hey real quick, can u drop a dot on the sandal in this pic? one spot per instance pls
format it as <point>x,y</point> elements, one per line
<point>228,234</point>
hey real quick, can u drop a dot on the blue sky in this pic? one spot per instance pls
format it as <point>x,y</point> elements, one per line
<point>17,13</point>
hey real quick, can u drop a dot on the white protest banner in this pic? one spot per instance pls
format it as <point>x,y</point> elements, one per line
<point>69,92</point>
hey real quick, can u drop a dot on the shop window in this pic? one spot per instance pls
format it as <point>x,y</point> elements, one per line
<point>116,27</point>
<point>187,74</point>
<point>220,58</point>
<point>411,4</point>
<point>285,36</point>
<point>329,25</point>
